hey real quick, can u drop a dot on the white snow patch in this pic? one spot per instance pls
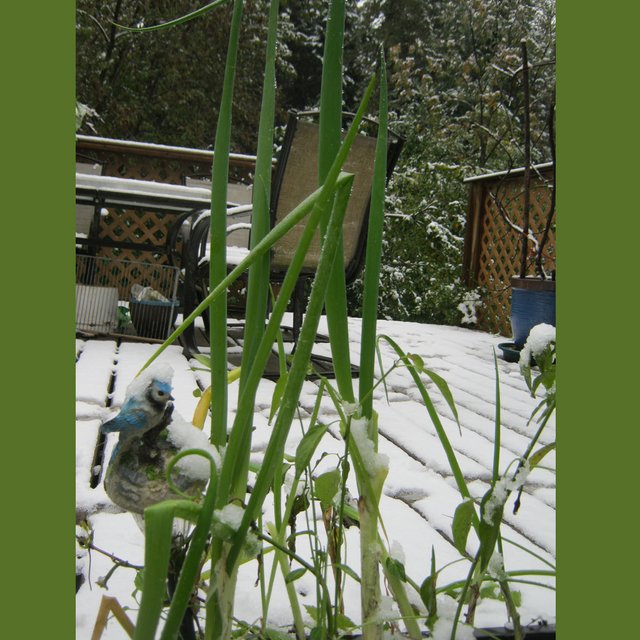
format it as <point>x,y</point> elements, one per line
<point>442,630</point>
<point>288,485</point>
<point>496,566</point>
<point>540,337</point>
<point>386,610</point>
<point>501,491</point>
<point>161,371</point>
<point>447,607</point>
<point>397,552</point>
<point>230,515</point>
<point>469,308</point>
<point>350,408</point>
<point>183,435</point>
<point>373,462</point>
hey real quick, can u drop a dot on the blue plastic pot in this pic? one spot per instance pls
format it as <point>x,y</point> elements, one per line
<point>533,301</point>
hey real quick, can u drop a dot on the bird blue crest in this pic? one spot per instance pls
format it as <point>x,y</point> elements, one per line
<point>144,407</point>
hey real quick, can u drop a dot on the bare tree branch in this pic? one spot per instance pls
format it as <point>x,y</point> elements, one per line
<point>552,204</point>
<point>505,216</point>
<point>96,22</point>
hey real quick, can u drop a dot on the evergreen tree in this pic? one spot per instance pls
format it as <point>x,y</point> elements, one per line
<point>457,101</point>
<point>302,32</point>
<point>165,86</point>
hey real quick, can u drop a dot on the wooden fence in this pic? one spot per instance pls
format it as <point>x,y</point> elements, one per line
<point>162,163</point>
<point>492,246</point>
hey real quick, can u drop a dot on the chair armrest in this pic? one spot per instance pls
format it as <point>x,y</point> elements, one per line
<point>197,250</point>
<point>239,209</point>
<point>238,225</point>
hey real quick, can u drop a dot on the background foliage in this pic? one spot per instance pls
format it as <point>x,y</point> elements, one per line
<point>454,96</point>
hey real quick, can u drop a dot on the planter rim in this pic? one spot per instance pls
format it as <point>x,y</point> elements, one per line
<point>533,284</point>
<point>156,303</point>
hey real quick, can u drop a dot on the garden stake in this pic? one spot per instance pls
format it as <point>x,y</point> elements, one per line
<point>109,604</point>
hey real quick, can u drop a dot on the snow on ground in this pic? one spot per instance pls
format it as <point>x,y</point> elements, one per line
<point>420,494</point>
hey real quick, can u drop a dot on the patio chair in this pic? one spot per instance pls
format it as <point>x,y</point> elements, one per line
<point>296,177</point>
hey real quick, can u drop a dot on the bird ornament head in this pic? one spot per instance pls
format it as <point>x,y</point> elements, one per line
<point>147,400</point>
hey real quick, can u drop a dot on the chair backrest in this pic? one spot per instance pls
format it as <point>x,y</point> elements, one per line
<point>297,177</point>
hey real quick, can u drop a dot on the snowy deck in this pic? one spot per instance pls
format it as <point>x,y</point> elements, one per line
<point>419,495</point>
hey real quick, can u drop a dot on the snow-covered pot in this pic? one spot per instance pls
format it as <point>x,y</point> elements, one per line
<point>533,301</point>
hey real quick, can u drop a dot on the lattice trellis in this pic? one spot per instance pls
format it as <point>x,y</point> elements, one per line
<point>127,225</point>
<point>498,245</point>
<point>123,274</point>
<point>105,284</point>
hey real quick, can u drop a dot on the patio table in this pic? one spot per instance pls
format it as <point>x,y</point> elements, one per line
<point>107,191</point>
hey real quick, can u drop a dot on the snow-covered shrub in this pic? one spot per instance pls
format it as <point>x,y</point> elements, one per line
<point>420,278</point>
<point>540,350</point>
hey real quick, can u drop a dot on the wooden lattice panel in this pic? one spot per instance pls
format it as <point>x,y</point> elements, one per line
<point>500,246</point>
<point>127,225</point>
<point>123,274</point>
<point>162,164</point>
<point>144,168</point>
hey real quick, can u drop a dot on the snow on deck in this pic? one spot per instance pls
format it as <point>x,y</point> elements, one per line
<point>420,494</point>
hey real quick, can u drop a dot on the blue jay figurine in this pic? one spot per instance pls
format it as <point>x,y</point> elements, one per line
<point>136,473</point>
<point>143,409</point>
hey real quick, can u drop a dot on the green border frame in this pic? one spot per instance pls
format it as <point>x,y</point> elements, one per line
<point>598,233</point>
<point>598,229</point>
<point>38,458</point>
